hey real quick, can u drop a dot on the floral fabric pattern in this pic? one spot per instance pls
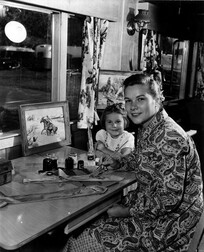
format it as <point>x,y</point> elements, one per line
<point>94,36</point>
<point>199,92</point>
<point>149,52</point>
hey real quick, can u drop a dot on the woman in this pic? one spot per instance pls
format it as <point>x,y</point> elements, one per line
<point>162,212</point>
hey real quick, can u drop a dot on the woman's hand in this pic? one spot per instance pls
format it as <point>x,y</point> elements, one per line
<point>118,211</point>
<point>109,161</point>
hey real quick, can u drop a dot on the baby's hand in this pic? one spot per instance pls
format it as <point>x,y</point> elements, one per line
<point>100,146</point>
<point>110,162</point>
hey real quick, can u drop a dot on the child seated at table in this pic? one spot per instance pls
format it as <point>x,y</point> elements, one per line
<point>113,140</point>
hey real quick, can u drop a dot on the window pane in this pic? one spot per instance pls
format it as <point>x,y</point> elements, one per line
<point>172,62</point>
<point>25,61</point>
<point>74,62</point>
<point>74,43</point>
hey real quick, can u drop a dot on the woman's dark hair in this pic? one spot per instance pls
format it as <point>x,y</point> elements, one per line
<point>153,82</point>
<point>114,108</point>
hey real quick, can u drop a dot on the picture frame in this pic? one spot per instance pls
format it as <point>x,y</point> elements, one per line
<point>110,88</point>
<point>44,126</point>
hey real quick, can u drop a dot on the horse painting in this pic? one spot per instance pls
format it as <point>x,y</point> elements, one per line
<point>49,128</point>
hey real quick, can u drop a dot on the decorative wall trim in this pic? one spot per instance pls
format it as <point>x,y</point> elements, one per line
<point>98,8</point>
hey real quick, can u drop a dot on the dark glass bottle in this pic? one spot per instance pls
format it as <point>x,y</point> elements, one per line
<point>54,162</point>
<point>47,163</point>
<point>80,164</point>
<point>69,164</point>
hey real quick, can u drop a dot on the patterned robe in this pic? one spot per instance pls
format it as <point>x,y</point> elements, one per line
<point>168,201</point>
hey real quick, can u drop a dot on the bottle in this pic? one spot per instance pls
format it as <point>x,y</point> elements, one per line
<point>47,163</point>
<point>69,164</point>
<point>74,157</point>
<point>54,162</point>
<point>81,165</point>
<point>90,156</point>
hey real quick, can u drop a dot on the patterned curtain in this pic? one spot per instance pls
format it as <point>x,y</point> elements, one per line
<point>199,92</point>
<point>94,37</point>
<point>149,54</point>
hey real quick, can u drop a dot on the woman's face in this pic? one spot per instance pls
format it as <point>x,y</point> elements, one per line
<point>114,124</point>
<point>140,104</point>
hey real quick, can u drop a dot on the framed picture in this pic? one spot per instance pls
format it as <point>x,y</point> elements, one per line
<point>110,88</point>
<point>44,126</point>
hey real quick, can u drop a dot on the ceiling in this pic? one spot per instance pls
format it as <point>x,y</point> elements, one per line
<point>183,6</point>
<point>183,18</point>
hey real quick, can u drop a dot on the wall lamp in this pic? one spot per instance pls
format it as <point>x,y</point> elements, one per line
<point>138,22</point>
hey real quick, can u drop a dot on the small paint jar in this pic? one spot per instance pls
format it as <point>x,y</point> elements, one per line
<point>74,157</point>
<point>90,156</point>
<point>54,162</point>
<point>69,163</point>
<point>80,164</point>
<point>47,163</point>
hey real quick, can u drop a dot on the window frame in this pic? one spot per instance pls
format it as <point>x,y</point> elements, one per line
<point>182,92</point>
<point>59,62</point>
<point>59,56</point>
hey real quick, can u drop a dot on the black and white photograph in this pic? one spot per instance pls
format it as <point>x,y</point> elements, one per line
<point>102,125</point>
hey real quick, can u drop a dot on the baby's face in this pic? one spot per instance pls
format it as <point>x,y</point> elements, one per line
<point>114,124</point>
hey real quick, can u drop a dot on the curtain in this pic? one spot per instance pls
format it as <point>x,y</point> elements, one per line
<point>199,91</point>
<point>94,37</point>
<point>149,52</point>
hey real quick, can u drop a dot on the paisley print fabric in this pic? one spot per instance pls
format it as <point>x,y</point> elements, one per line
<point>168,201</point>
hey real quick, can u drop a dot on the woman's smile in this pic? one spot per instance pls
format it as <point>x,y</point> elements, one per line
<point>135,114</point>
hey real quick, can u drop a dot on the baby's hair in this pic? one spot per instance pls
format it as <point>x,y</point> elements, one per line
<point>152,81</point>
<point>114,108</point>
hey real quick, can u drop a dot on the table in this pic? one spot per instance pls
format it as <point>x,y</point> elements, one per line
<point>22,223</point>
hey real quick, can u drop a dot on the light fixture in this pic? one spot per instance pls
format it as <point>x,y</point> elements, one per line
<point>15,31</point>
<point>139,22</point>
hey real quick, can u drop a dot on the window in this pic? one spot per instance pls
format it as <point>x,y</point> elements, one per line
<point>25,61</point>
<point>74,63</point>
<point>174,60</point>
<point>38,62</point>
<point>74,42</point>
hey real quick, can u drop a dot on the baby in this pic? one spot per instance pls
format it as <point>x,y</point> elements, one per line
<point>112,140</point>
